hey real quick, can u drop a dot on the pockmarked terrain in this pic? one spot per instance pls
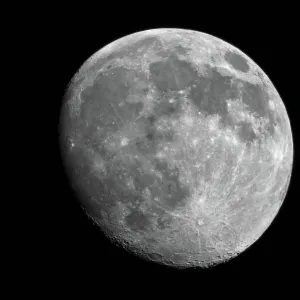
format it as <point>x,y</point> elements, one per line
<point>178,145</point>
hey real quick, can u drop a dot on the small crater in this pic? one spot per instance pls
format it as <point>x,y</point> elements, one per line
<point>109,65</point>
<point>200,222</point>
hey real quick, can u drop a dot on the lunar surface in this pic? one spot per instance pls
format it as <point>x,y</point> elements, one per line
<point>178,146</point>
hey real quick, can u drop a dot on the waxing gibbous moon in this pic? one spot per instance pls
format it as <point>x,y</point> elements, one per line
<point>179,146</point>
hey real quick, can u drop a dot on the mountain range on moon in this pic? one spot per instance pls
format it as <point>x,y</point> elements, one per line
<point>178,145</point>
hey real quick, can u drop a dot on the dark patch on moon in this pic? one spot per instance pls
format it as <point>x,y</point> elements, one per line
<point>237,61</point>
<point>173,192</point>
<point>254,96</point>
<point>145,144</point>
<point>184,73</point>
<point>172,74</point>
<point>155,256</point>
<point>103,98</point>
<point>155,137</point>
<point>209,94</point>
<point>162,75</point>
<point>246,133</point>
<point>137,221</point>
<point>151,137</point>
<point>143,180</point>
<point>164,221</point>
<point>114,190</point>
<point>164,107</point>
<point>104,95</point>
<point>181,50</point>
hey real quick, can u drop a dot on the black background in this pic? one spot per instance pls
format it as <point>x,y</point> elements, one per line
<point>78,251</point>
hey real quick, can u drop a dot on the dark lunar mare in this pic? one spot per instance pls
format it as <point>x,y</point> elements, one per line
<point>100,102</point>
<point>172,74</point>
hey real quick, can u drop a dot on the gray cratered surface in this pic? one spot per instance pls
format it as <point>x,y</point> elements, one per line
<point>178,145</point>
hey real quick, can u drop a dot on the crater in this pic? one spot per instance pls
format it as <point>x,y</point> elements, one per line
<point>237,61</point>
<point>155,256</point>
<point>143,181</point>
<point>137,221</point>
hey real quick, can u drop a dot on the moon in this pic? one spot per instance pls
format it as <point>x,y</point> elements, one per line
<point>178,146</point>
